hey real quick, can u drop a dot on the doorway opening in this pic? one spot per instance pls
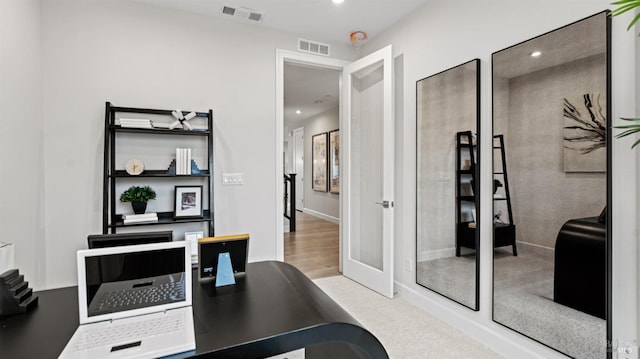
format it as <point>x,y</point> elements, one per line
<point>310,114</point>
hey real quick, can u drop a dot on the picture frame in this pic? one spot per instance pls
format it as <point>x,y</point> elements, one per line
<point>187,202</point>
<point>334,161</point>
<point>319,162</point>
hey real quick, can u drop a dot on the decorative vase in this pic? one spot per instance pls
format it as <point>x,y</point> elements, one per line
<point>139,207</point>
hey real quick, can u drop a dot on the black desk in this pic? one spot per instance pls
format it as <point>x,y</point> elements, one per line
<point>274,309</point>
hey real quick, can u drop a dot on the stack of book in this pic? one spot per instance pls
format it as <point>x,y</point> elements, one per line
<point>161,125</point>
<point>183,161</point>
<point>140,218</point>
<point>135,123</point>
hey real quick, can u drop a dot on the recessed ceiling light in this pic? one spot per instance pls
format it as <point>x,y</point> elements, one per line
<point>536,54</point>
<point>298,112</point>
<point>338,1</point>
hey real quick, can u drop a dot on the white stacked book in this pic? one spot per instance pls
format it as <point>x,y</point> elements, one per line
<point>183,161</point>
<point>161,125</point>
<point>135,123</point>
<point>166,125</point>
<point>140,218</point>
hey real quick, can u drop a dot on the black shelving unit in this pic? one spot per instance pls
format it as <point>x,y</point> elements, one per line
<point>111,220</point>
<point>466,178</point>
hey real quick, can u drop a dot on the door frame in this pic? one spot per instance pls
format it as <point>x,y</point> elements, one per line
<point>283,56</point>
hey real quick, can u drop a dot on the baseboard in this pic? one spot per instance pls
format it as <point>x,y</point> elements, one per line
<point>534,247</point>
<point>436,254</point>
<point>320,215</point>
<point>476,325</point>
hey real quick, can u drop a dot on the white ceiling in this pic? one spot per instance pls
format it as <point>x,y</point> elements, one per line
<point>308,89</point>
<point>311,90</point>
<point>573,42</point>
<point>318,20</point>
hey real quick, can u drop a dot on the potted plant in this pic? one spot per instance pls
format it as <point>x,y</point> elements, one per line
<point>138,196</point>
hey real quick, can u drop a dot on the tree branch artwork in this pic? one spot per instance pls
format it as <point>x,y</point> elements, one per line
<point>590,129</point>
<point>585,134</point>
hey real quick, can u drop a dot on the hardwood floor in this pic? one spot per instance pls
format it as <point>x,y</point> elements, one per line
<point>313,247</point>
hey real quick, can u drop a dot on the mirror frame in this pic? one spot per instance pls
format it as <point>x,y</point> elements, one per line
<point>608,177</point>
<point>476,189</point>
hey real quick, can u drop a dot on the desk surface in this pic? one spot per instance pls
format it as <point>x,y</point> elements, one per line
<point>274,309</point>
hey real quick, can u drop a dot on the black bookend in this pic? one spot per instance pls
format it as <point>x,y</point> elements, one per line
<point>15,295</point>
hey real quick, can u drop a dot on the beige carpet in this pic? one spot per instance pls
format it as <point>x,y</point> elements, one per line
<point>404,330</point>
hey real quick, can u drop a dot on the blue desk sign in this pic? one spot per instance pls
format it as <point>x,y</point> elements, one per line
<point>224,275</point>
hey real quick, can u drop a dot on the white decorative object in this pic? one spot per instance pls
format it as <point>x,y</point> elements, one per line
<point>181,120</point>
<point>134,167</point>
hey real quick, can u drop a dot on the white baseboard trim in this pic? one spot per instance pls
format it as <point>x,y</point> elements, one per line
<point>320,215</point>
<point>436,254</point>
<point>533,245</point>
<point>477,325</point>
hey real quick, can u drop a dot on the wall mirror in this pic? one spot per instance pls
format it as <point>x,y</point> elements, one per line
<point>447,166</point>
<point>551,155</point>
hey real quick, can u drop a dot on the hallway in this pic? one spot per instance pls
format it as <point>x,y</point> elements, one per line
<point>313,248</point>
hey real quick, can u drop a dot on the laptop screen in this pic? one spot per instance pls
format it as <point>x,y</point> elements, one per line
<point>130,280</point>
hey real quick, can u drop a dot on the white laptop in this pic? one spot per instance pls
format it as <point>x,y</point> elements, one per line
<point>134,301</point>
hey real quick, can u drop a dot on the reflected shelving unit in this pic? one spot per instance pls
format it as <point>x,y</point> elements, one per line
<point>466,174</point>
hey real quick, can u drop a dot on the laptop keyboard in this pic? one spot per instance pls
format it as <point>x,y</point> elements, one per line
<point>115,332</point>
<point>131,298</point>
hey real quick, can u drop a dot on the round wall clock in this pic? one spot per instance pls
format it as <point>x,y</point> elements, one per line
<point>134,167</point>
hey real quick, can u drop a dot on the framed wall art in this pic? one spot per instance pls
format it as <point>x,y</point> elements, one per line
<point>334,161</point>
<point>319,161</point>
<point>188,202</point>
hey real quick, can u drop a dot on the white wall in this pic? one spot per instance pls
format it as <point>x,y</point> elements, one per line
<point>21,179</point>
<point>325,205</point>
<point>143,56</point>
<point>443,34</point>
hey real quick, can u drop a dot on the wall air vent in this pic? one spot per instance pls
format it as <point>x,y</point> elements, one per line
<point>242,13</point>
<point>313,47</point>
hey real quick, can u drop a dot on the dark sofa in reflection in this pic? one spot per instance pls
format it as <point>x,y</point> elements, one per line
<point>580,265</point>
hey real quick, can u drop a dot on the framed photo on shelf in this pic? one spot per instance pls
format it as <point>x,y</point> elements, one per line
<point>319,161</point>
<point>334,161</point>
<point>188,202</point>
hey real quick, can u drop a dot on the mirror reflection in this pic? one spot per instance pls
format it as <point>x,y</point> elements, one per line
<point>447,167</point>
<point>550,110</point>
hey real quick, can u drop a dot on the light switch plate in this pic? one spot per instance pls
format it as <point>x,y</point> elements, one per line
<point>231,179</point>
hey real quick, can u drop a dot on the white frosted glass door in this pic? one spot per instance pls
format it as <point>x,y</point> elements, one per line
<point>368,183</point>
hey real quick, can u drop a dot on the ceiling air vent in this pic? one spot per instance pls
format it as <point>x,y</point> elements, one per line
<point>313,47</point>
<point>227,10</point>
<point>242,13</point>
<point>255,16</point>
